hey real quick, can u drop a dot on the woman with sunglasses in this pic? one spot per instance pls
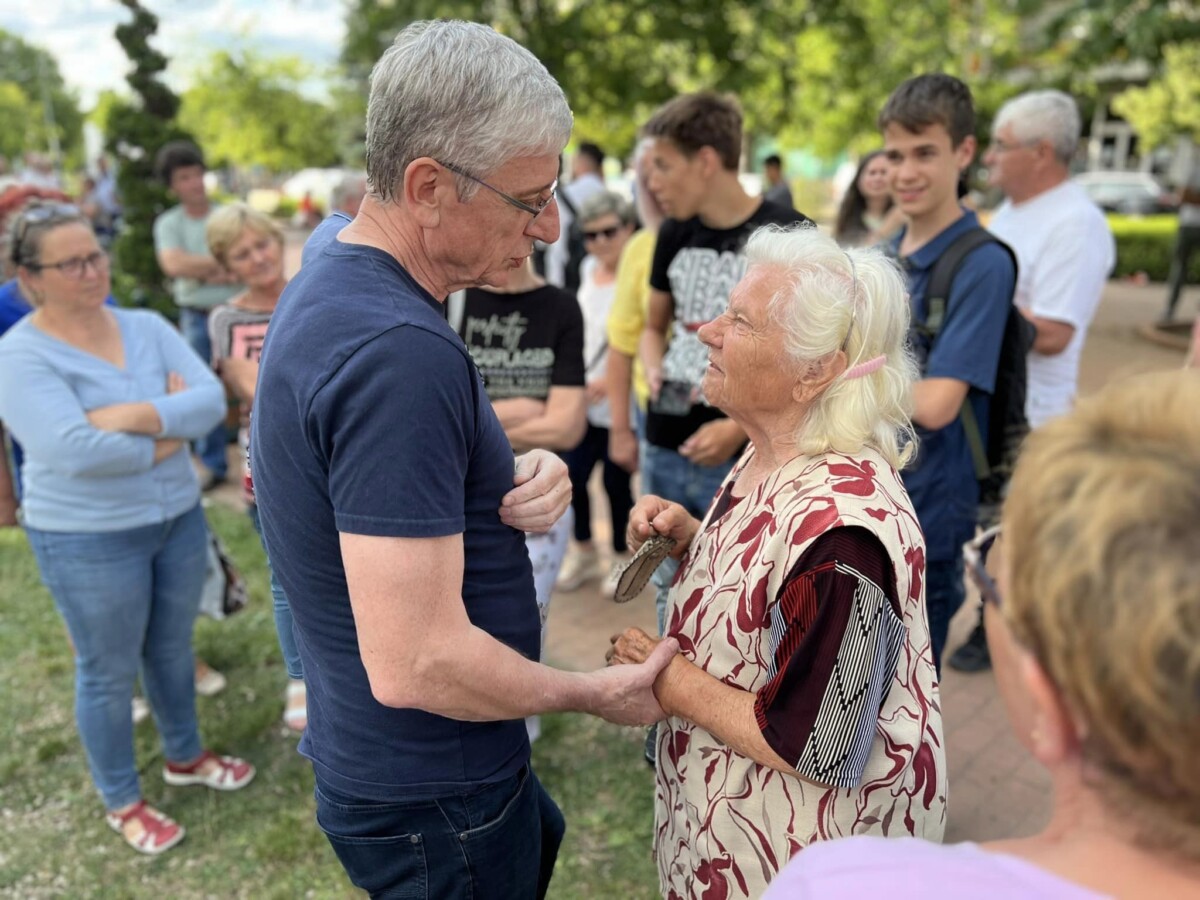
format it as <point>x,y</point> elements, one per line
<point>103,401</point>
<point>608,222</point>
<point>1091,590</point>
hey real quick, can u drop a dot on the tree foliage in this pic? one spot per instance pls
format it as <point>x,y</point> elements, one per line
<point>28,76</point>
<point>1168,106</point>
<point>249,110</point>
<point>135,130</point>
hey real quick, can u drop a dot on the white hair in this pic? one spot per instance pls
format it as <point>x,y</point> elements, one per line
<point>464,95</point>
<point>852,300</point>
<point>1043,116</point>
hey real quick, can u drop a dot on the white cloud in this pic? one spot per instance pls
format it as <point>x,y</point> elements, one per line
<point>79,34</point>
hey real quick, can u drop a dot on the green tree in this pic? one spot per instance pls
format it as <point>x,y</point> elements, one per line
<point>1169,106</point>
<point>17,114</point>
<point>248,110</point>
<point>135,131</point>
<point>35,73</point>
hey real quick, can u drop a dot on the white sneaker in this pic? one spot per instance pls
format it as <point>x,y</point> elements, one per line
<point>608,587</point>
<point>208,680</point>
<point>579,567</point>
<point>141,709</point>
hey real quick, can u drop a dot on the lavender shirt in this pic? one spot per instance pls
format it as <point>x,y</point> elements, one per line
<point>913,869</point>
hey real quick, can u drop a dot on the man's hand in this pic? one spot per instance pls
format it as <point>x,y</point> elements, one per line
<point>654,380</point>
<point>542,493</point>
<point>623,449</point>
<point>627,691</point>
<point>653,515</point>
<point>713,443</point>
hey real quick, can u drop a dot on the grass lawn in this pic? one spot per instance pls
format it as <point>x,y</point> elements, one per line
<point>262,842</point>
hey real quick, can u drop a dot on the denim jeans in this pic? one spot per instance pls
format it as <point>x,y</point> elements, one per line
<point>284,626</point>
<point>668,475</point>
<point>193,323</point>
<point>944,594</point>
<point>493,841</point>
<point>129,599</point>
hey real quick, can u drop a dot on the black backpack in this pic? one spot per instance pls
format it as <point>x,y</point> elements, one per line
<point>575,248</point>
<point>1007,424</point>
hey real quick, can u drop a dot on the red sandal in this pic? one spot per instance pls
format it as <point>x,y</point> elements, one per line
<point>230,774</point>
<point>159,833</point>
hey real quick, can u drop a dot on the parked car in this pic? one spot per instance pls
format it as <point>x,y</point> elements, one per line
<point>1131,193</point>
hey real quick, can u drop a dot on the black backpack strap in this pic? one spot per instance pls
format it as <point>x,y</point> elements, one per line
<point>937,294</point>
<point>565,200</point>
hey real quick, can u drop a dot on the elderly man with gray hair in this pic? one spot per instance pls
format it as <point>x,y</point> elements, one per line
<point>1065,252</point>
<point>392,506</point>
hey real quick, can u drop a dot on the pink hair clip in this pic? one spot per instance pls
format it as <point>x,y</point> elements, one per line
<point>871,365</point>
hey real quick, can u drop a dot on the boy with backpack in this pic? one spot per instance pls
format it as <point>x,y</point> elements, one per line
<point>928,126</point>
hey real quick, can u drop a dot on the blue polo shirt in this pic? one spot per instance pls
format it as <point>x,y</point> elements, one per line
<point>941,481</point>
<point>370,418</point>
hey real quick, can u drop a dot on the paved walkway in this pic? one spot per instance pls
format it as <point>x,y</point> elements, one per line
<point>996,789</point>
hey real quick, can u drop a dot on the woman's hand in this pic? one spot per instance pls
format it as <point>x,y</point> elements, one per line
<point>631,647</point>
<point>596,391</point>
<point>175,383</point>
<point>653,515</point>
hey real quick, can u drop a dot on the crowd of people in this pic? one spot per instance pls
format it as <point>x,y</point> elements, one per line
<point>819,423</point>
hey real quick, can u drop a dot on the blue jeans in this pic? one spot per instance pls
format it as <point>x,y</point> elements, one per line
<point>944,594</point>
<point>129,599</point>
<point>668,475</point>
<point>492,841</point>
<point>193,323</point>
<point>284,625</point>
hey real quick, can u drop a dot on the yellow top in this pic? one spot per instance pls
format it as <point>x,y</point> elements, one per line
<point>631,305</point>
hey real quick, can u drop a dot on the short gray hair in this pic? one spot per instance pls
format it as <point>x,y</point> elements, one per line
<point>464,95</point>
<point>606,203</point>
<point>853,300</point>
<point>351,186</point>
<point>1043,116</point>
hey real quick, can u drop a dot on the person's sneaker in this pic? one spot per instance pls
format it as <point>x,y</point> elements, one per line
<point>208,680</point>
<point>973,655</point>
<point>580,567</point>
<point>608,587</point>
<point>650,748</point>
<point>141,709</point>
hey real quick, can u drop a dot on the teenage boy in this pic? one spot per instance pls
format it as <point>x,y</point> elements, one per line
<point>198,282</point>
<point>928,127</point>
<point>696,145</point>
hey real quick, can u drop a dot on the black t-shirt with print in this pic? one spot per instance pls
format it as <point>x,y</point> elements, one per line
<point>698,266</point>
<point>524,343</point>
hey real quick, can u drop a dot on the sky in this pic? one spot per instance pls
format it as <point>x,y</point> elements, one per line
<point>79,34</point>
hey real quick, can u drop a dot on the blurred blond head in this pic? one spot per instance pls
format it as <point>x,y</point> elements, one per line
<point>228,224</point>
<point>1102,531</point>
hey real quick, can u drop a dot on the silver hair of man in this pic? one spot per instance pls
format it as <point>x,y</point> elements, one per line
<point>464,95</point>
<point>1043,116</point>
<point>607,203</point>
<point>855,300</point>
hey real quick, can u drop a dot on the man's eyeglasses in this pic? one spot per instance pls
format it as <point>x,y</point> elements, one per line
<point>1000,146</point>
<point>74,267</point>
<point>607,233</point>
<point>534,211</point>
<point>38,214</point>
<point>975,554</point>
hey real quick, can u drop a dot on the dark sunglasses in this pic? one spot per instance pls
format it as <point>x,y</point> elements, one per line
<point>606,233</point>
<point>975,554</point>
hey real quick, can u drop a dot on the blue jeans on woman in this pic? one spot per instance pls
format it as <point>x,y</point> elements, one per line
<point>129,599</point>
<point>284,625</point>
<point>489,842</point>
<point>193,325</point>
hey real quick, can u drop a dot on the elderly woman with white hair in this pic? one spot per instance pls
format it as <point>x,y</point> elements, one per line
<point>803,704</point>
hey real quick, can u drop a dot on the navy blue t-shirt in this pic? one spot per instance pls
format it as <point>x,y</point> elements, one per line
<point>941,481</point>
<point>370,418</point>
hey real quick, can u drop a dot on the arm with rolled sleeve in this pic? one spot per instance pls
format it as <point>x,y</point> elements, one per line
<point>191,413</point>
<point>1067,282</point>
<point>42,411</point>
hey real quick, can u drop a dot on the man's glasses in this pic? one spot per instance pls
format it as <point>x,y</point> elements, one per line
<point>975,554</point>
<point>74,267</point>
<point>607,233</point>
<point>1000,146</point>
<point>534,211</point>
<point>38,214</point>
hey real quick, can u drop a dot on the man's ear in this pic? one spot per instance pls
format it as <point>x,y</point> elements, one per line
<point>425,189</point>
<point>964,153</point>
<point>710,161</point>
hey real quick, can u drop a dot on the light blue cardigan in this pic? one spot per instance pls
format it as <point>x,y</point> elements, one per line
<point>81,479</point>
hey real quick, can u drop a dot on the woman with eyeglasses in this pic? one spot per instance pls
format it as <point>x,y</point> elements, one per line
<point>1091,590</point>
<point>103,400</point>
<point>608,222</point>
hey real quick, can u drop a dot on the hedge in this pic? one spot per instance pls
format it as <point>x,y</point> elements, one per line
<point>1145,244</point>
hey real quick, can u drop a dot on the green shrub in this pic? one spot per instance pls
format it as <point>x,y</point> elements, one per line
<point>286,208</point>
<point>1145,244</point>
